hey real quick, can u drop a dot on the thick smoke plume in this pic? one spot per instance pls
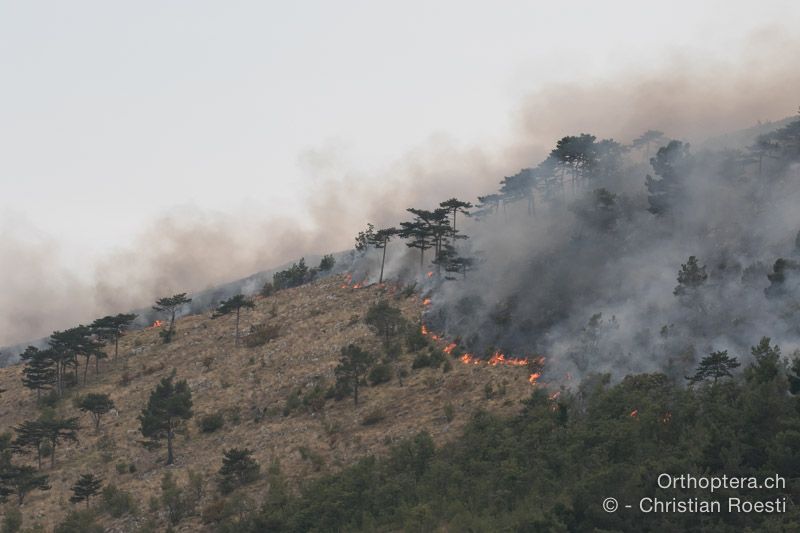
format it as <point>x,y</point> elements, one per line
<point>189,250</point>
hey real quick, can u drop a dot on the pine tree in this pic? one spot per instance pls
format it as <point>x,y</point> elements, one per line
<point>21,480</point>
<point>353,367</point>
<point>30,434</point>
<point>234,303</point>
<point>455,206</point>
<point>671,164</point>
<point>39,372</point>
<point>690,277</point>
<point>169,405</point>
<point>380,240</point>
<point>76,342</point>
<point>714,366</point>
<point>97,405</point>
<point>766,364</point>
<point>87,486</point>
<point>385,319</point>
<point>170,306</point>
<point>57,430</point>
<point>112,327</point>
<point>238,469</point>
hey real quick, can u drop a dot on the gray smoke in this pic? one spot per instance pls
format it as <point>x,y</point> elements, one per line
<point>194,250</point>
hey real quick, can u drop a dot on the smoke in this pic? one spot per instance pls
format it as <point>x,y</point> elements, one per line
<point>189,249</point>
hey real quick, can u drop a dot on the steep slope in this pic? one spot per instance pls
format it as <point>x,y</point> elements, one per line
<point>250,387</point>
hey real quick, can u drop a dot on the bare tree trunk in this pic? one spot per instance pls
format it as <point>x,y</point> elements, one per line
<point>170,455</point>
<point>383,260</point>
<point>236,337</point>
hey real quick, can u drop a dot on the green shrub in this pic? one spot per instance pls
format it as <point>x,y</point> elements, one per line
<point>380,374</point>
<point>374,417</point>
<point>211,423</point>
<point>314,399</point>
<point>293,402</point>
<point>311,456</point>
<point>434,358</point>
<point>12,520</point>
<point>415,340</point>
<point>261,334</point>
<point>449,412</point>
<point>79,522</point>
<point>422,360</point>
<point>117,502</point>
<point>238,469</point>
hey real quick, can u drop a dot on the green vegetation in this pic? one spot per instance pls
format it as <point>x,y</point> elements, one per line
<point>550,467</point>
<point>169,405</point>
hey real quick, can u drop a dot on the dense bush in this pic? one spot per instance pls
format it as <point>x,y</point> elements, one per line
<point>117,502</point>
<point>294,276</point>
<point>210,423</point>
<point>380,374</point>
<point>260,334</point>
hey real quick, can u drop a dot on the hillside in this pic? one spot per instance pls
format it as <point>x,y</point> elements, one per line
<point>250,387</point>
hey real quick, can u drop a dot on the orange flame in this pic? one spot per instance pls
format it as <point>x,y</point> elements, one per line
<point>424,329</point>
<point>635,413</point>
<point>449,348</point>
<point>157,324</point>
<point>555,395</point>
<point>430,274</point>
<point>534,377</point>
<point>426,301</point>
<point>500,359</point>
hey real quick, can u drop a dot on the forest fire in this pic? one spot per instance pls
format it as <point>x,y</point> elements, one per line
<point>349,280</point>
<point>635,413</point>
<point>497,359</point>
<point>157,324</point>
<point>430,274</point>
<point>426,301</point>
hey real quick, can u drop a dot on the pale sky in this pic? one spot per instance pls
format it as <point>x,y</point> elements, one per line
<point>114,112</point>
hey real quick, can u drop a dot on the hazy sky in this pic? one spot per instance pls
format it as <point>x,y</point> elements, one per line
<point>113,112</point>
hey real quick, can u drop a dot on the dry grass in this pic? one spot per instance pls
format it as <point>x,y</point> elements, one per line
<point>250,386</point>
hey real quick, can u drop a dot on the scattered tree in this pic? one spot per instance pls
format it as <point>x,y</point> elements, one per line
<point>170,306</point>
<point>58,430</point>
<point>169,405</point>
<point>39,372</point>
<point>380,240</point>
<point>387,321</point>
<point>24,479</point>
<point>234,304</point>
<point>112,327</point>
<point>326,263</point>
<point>714,366</point>
<point>238,469</point>
<point>690,277</point>
<point>353,367</point>
<point>97,405</point>
<point>87,486</point>
<point>30,434</point>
